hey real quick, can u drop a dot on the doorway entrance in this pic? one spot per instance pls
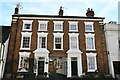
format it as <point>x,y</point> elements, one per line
<point>74,67</point>
<point>116,69</point>
<point>40,67</point>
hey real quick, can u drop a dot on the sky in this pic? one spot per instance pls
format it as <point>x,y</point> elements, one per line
<point>102,8</point>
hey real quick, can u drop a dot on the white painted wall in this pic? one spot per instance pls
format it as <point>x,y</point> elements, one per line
<point>111,35</point>
<point>2,63</point>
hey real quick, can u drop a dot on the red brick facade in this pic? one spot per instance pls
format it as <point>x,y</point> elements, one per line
<point>15,41</point>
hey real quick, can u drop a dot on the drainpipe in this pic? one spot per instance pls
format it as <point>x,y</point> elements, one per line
<point>0,59</point>
<point>0,50</point>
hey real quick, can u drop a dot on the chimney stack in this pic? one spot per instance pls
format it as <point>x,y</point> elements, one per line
<point>61,11</point>
<point>17,9</point>
<point>18,6</point>
<point>90,13</point>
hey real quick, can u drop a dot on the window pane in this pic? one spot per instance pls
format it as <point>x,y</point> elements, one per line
<point>58,26</point>
<point>89,43</point>
<point>43,26</point>
<point>74,42</point>
<point>26,41</point>
<point>27,26</point>
<point>73,27</point>
<point>91,62</point>
<point>42,41</point>
<point>88,27</point>
<point>58,46</point>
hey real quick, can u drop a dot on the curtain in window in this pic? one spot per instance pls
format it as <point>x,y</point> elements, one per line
<point>91,63</point>
<point>73,42</point>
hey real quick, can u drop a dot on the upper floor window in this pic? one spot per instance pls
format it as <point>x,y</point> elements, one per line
<point>42,25</point>
<point>73,26</point>
<point>25,41</point>
<point>58,41</point>
<point>27,25</point>
<point>42,40</point>
<point>89,27</point>
<point>73,40</point>
<point>58,25</point>
<point>91,62</point>
<point>90,42</point>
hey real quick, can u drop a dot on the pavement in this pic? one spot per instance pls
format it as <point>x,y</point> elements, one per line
<point>57,76</point>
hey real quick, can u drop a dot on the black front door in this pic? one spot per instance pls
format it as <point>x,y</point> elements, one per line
<point>40,67</point>
<point>116,68</point>
<point>74,68</point>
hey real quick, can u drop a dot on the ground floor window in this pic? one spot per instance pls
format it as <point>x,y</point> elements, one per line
<point>91,62</point>
<point>23,62</point>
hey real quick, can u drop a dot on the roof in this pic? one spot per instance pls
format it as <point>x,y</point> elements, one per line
<point>4,33</point>
<point>54,16</point>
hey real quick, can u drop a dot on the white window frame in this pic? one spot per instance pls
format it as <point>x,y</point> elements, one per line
<point>89,23</point>
<point>25,34</point>
<point>27,22</point>
<point>23,54</point>
<point>92,36</point>
<point>42,34</point>
<point>60,35</point>
<point>43,22</point>
<point>77,43</point>
<point>95,62</point>
<point>73,23</point>
<point>60,23</point>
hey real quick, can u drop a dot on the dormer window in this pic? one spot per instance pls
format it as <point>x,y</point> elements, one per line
<point>27,25</point>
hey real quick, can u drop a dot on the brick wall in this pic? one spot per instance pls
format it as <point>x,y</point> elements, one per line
<point>15,42</point>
